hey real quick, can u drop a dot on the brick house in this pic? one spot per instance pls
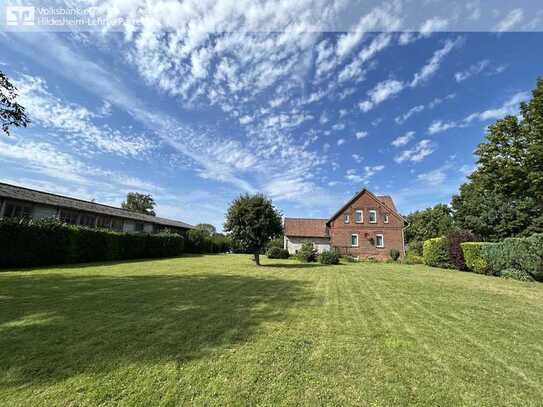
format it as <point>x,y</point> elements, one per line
<point>366,226</point>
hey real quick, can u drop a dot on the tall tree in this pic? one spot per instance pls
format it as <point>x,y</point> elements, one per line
<point>504,196</point>
<point>141,203</point>
<point>11,112</point>
<point>210,229</point>
<point>252,222</point>
<point>429,223</point>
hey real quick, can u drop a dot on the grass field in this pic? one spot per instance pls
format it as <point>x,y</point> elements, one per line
<point>216,330</point>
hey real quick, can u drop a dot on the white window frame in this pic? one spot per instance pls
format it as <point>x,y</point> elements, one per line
<point>382,240</point>
<point>354,245</point>
<point>361,212</point>
<point>385,218</point>
<point>346,218</point>
<point>369,216</point>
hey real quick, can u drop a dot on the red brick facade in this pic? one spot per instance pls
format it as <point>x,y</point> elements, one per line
<point>369,234</point>
<point>392,232</point>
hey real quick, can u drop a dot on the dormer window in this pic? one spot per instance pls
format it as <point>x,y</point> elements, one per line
<point>346,218</point>
<point>385,218</point>
<point>372,215</point>
<point>359,216</point>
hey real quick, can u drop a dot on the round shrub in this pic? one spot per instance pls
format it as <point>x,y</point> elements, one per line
<point>515,274</point>
<point>415,247</point>
<point>394,254</point>
<point>277,253</point>
<point>329,257</point>
<point>307,253</point>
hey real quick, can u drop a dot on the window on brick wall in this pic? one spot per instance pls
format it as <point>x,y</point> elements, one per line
<point>354,240</point>
<point>359,216</point>
<point>379,240</point>
<point>372,216</point>
<point>346,218</point>
<point>385,218</point>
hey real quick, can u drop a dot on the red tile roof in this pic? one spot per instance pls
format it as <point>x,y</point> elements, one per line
<point>306,227</point>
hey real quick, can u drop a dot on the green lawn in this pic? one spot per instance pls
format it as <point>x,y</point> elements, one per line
<point>216,330</point>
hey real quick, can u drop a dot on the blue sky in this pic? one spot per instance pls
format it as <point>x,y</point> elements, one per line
<point>306,118</point>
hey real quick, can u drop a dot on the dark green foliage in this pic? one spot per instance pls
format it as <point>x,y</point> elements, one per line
<point>429,223</point>
<point>37,243</point>
<point>394,254</point>
<point>515,274</point>
<point>524,254</point>
<point>454,240</point>
<point>253,221</point>
<point>207,227</point>
<point>329,257</point>
<point>11,112</point>
<point>415,247</point>
<point>436,252</point>
<point>307,253</point>
<point>473,255</point>
<point>277,253</point>
<point>277,242</point>
<point>141,203</point>
<point>200,241</point>
<point>503,196</point>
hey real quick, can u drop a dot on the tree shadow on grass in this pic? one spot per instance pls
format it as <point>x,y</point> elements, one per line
<point>55,326</point>
<point>292,266</point>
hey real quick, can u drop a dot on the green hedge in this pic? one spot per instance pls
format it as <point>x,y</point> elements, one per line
<point>435,252</point>
<point>473,254</point>
<point>275,252</point>
<point>42,243</point>
<point>329,257</point>
<point>522,254</point>
<point>201,241</point>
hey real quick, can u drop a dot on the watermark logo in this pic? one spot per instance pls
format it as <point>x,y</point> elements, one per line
<point>20,16</point>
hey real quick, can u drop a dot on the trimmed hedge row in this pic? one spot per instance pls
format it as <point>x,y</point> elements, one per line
<point>474,258</point>
<point>519,258</point>
<point>436,252</point>
<point>42,243</point>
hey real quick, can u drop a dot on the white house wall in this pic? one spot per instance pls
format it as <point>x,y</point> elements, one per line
<point>293,244</point>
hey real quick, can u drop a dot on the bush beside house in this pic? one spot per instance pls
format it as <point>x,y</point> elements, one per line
<point>329,257</point>
<point>307,253</point>
<point>436,252</point>
<point>474,258</point>
<point>275,252</point>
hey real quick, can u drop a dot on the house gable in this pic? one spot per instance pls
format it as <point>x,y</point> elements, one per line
<point>383,204</point>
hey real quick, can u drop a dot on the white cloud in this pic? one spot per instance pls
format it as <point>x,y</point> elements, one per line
<point>434,178</point>
<point>358,158</point>
<point>361,134</point>
<point>403,118</point>
<point>75,123</point>
<point>403,140</point>
<point>474,69</point>
<point>341,141</point>
<point>510,20</point>
<point>381,92</point>
<point>369,172</point>
<point>432,25</point>
<point>434,63</point>
<point>421,150</point>
<point>510,107</point>
<point>439,126</point>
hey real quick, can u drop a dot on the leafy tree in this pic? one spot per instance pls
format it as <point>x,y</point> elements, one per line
<point>210,229</point>
<point>252,222</point>
<point>11,112</point>
<point>141,203</point>
<point>428,223</point>
<point>504,196</point>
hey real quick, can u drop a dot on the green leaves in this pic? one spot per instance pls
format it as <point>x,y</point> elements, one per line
<point>252,222</point>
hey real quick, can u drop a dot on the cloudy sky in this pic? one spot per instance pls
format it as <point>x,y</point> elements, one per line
<point>188,107</point>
